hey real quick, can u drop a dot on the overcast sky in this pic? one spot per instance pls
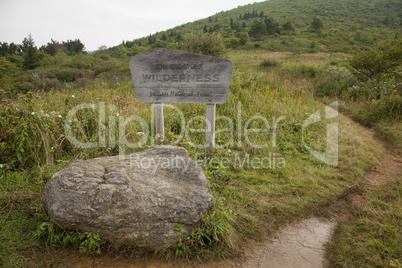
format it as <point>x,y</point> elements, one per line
<point>100,22</point>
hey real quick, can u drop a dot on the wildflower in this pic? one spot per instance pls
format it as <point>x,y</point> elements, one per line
<point>1,165</point>
<point>229,151</point>
<point>159,137</point>
<point>59,115</point>
<point>117,114</point>
<point>73,96</point>
<point>46,115</point>
<point>33,113</point>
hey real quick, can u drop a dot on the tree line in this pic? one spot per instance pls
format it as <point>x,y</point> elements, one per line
<point>27,55</point>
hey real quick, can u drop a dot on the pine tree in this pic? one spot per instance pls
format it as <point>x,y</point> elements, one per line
<point>31,58</point>
<point>258,29</point>
<point>317,24</point>
<point>74,47</point>
<point>288,27</point>
<point>272,26</point>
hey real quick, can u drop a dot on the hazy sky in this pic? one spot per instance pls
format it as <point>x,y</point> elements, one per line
<point>100,22</point>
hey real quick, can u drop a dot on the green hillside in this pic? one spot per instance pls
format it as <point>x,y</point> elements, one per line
<point>346,25</point>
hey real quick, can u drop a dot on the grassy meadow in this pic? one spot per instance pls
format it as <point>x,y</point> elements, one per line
<point>273,91</point>
<point>294,62</point>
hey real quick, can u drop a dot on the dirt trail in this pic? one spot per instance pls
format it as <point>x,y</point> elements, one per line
<point>303,244</point>
<point>300,245</point>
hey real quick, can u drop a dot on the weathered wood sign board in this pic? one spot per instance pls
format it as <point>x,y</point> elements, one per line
<point>168,76</point>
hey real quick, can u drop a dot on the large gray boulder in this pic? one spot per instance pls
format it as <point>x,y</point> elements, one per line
<point>134,199</point>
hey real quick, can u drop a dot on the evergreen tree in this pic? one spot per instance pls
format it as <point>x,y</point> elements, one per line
<point>272,26</point>
<point>4,49</point>
<point>288,27</point>
<point>150,40</point>
<point>179,37</point>
<point>31,58</point>
<point>53,47</point>
<point>258,29</point>
<point>74,47</point>
<point>317,24</point>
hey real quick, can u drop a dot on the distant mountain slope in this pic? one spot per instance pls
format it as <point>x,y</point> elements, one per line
<point>346,25</point>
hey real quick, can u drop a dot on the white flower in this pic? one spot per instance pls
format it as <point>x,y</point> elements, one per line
<point>229,151</point>
<point>1,165</point>
<point>46,115</point>
<point>73,96</point>
<point>159,137</point>
<point>33,113</point>
<point>51,148</point>
<point>117,114</point>
<point>60,115</point>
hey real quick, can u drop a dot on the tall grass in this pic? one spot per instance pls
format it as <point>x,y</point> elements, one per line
<point>374,239</point>
<point>291,184</point>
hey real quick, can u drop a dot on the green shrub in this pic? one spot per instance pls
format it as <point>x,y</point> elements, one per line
<point>204,43</point>
<point>53,234</point>
<point>333,81</point>
<point>384,59</point>
<point>269,63</point>
<point>217,228</point>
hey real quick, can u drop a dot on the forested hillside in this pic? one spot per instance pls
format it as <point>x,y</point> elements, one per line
<point>289,25</point>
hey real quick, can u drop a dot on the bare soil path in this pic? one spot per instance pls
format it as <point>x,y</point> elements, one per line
<point>303,244</point>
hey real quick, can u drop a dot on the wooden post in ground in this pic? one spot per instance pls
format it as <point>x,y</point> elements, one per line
<point>159,121</point>
<point>210,128</point>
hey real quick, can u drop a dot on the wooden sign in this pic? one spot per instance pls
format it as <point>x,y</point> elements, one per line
<point>168,76</point>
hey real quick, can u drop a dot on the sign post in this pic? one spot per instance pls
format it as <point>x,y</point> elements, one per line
<point>168,76</point>
<point>210,129</point>
<point>159,121</point>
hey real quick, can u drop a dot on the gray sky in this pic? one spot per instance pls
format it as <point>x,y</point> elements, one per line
<point>100,22</point>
